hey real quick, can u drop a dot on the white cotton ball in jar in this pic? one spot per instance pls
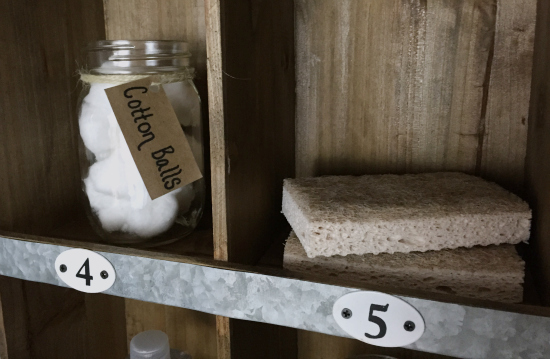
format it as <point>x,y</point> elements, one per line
<point>97,121</point>
<point>111,211</point>
<point>109,177</point>
<point>154,218</point>
<point>114,217</point>
<point>96,94</point>
<point>137,191</point>
<point>118,213</point>
<point>94,126</point>
<point>97,199</point>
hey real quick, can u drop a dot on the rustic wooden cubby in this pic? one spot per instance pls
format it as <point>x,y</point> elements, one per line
<point>290,88</point>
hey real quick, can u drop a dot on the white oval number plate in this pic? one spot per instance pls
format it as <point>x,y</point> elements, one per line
<point>378,319</point>
<point>85,270</point>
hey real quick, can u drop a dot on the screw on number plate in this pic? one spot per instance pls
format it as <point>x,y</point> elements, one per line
<point>63,268</point>
<point>104,274</point>
<point>409,326</point>
<point>346,313</point>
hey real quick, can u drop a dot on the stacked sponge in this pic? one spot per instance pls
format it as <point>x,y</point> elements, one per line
<point>351,219</point>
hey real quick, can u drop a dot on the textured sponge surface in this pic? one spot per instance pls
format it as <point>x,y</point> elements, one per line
<point>492,272</point>
<point>341,215</point>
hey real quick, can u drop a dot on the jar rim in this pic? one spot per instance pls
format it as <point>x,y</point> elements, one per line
<point>137,56</point>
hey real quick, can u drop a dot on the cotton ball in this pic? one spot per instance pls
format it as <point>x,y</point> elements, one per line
<point>97,199</point>
<point>109,177</point>
<point>154,218</point>
<point>110,210</point>
<point>107,187</point>
<point>94,127</point>
<point>97,121</point>
<point>136,187</point>
<point>96,95</point>
<point>118,214</point>
<point>114,217</point>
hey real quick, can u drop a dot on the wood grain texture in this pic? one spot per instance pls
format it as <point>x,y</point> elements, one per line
<point>321,346</point>
<point>40,178</point>
<point>251,340</point>
<point>106,326</point>
<point>258,114</point>
<point>223,325</point>
<point>15,318</point>
<point>217,128</point>
<point>3,341</point>
<point>502,153</point>
<point>412,86</point>
<point>181,20</point>
<point>160,20</point>
<point>45,321</point>
<point>251,94</point>
<point>188,330</point>
<point>538,152</point>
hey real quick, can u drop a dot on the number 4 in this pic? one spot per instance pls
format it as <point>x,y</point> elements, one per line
<point>377,320</point>
<point>86,275</point>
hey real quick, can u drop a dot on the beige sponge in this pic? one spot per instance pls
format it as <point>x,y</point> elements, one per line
<point>492,272</point>
<point>341,215</point>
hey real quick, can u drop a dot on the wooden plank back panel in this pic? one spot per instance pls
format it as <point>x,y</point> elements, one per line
<point>505,117</point>
<point>161,20</point>
<point>15,318</point>
<point>40,178</point>
<point>167,20</point>
<point>410,86</point>
<point>105,326</point>
<point>188,330</point>
<point>46,321</point>
<point>538,165</point>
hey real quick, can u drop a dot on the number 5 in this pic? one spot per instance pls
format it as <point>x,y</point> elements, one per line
<point>377,320</point>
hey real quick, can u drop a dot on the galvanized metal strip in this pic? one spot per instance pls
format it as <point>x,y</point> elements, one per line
<point>451,329</point>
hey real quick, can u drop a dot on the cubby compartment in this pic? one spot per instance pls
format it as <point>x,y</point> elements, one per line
<point>43,191</point>
<point>290,88</point>
<point>40,186</point>
<point>384,87</point>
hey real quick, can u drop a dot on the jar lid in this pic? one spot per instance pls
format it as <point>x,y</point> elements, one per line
<point>118,57</point>
<point>151,344</point>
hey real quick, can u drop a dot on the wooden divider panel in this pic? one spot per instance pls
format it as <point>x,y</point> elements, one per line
<point>538,159</point>
<point>167,20</point>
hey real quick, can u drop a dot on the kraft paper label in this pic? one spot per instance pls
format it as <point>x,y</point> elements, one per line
<point>156,140</point>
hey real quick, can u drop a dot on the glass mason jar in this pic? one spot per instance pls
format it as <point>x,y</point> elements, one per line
<point>118,204</point>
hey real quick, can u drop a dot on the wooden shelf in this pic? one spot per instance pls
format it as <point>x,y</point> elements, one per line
<point>290,88</point>
<point>273,296</point>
